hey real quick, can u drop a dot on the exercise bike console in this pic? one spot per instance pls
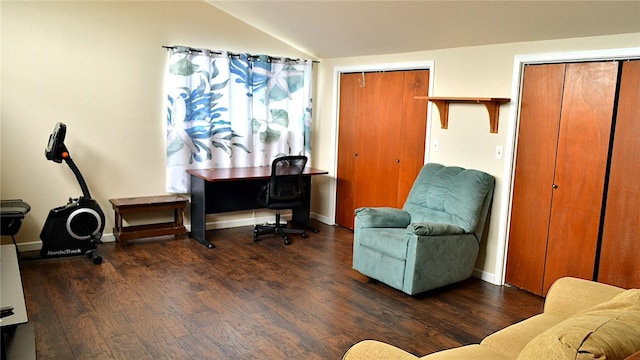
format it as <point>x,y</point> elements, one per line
<point>76,227</point>
<point>55,147</point>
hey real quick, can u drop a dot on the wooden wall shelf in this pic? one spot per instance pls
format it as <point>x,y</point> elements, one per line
<point>492,105</point>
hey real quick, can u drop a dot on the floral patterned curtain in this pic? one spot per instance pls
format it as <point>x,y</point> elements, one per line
<point>233,110</point>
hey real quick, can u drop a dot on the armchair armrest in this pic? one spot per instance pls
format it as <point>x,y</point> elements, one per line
<point>382,217</point>
<point>429,228</point>
<point>568,296</point>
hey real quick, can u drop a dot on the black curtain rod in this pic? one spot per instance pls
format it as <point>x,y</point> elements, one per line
<point>269,58</point>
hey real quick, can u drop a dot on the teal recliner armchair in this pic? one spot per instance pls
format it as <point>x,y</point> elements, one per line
<point>434,239</point>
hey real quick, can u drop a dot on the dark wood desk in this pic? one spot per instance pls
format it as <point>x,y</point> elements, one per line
<point>234,189</point>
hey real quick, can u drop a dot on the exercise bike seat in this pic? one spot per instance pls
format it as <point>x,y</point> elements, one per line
<point>11,214</point>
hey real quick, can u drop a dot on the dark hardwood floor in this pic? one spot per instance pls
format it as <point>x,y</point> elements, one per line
<point>172,299</point>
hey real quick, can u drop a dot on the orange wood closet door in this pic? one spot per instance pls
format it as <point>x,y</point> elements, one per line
<point>581,167</point>
<point>378,136</point>
<point>350,94</point>
<point>382,132</point>
<point>561,164</point>
<point>620,253</point>
<point>533,178</point>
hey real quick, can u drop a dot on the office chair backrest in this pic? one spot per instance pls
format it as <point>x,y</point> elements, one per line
<point>286,178</point>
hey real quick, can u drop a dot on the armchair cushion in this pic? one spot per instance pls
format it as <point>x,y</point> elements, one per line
<point>381,217</point>
<point>450,195</point>
<point>429,228</point>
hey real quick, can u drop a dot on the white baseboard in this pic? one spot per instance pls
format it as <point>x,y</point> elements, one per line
<point>244,221</point>
<point>108,238</point>
<point>251,220</point>
<point>485,276</point>
<point>30,246</point>
<point>37,245</point>
<point>322,219</point>
<point>248,220</point>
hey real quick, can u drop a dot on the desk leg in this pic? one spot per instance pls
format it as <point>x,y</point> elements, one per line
<point>301,215</point>
<point>198,211</point>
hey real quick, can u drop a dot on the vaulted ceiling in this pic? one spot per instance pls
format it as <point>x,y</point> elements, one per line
<point>331,29</point>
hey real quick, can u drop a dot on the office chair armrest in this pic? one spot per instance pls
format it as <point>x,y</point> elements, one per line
<point>382,217</point>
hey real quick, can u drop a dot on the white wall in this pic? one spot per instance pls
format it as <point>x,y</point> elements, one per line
<point>98,67</point>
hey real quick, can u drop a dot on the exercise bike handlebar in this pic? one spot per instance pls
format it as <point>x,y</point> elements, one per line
<point>83,185</point>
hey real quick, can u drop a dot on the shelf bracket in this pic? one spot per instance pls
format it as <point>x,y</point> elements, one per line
<point>443,109</point>
<point>492,105</point>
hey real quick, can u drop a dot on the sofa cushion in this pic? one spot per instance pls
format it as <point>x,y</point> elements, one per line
<point>373,350</point>
<point>568,296</point>
<point>511,340</point>
<point>430,228</point>
<point>609,331</point>
<point>474,352</point>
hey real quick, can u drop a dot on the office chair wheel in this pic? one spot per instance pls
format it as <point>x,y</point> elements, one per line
<point>303,235</point>
<point>287,241</point>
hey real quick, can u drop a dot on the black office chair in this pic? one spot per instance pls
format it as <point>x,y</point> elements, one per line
<point>285,190</point>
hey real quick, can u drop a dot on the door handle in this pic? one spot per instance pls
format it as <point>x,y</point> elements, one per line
<point>554,186</point>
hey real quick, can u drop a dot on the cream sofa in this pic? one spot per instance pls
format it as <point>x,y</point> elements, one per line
<point>581,320</point>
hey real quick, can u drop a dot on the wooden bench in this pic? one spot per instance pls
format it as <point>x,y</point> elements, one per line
<point>137,205</point>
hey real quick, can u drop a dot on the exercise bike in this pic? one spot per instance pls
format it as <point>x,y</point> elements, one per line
<point>76,227</point>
